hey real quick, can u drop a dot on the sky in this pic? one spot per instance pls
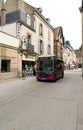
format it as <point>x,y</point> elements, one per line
<point>63,13</point>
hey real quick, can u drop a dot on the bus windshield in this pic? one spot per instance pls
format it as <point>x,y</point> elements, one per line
<point>45,66</point>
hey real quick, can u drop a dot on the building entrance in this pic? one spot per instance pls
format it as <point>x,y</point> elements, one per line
<point>27,68</point>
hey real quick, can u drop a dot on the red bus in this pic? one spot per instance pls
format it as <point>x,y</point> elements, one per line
<point>49,68</point>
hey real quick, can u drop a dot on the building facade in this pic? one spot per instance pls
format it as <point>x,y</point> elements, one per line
<point>78,58</point>
<point>69,56</point>
<point>31,27</point>
<point>58,42</point>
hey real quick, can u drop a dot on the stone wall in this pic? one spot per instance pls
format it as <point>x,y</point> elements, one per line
<point>10,54</point>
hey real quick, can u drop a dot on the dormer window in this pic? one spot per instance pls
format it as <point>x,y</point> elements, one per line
<point>30,21</point>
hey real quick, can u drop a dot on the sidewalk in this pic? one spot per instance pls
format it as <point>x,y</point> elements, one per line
<point>80,107</point>
<point>8,80</point>
<point>14,79</point>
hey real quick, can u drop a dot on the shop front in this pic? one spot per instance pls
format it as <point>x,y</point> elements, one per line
<point>28,63</point>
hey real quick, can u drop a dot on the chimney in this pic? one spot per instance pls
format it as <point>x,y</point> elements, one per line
<point>48,19</point>
<point>20,4</point>
<point>3,15</point>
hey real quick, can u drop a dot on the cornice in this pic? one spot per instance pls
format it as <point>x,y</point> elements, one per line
<point>8,46</point>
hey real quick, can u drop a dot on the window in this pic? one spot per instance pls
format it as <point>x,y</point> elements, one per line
<point>45,65</point>
<point>48,35</point>
<point>33,23</point>
<point>28,20</point>
<point>29,39</point>
<point>41,47</point>
<point>49,49</point>
<point>41,29</point>
<point>5,65</point>
<point>28,45</point>
<point>58,65</point>
<point>79,60</point>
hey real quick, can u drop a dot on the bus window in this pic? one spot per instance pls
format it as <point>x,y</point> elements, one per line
<point>45,66</point>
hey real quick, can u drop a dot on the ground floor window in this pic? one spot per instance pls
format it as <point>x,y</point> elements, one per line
<point>5,65</point>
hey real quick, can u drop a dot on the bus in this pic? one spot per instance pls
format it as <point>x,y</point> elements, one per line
<point>49,68</point>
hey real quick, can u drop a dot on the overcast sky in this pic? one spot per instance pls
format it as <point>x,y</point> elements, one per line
<point>63,13</point>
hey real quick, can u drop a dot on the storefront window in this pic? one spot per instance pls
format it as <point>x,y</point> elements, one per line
<point>5,65</point>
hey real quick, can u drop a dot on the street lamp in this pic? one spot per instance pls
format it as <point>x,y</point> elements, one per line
<point>81,10</point>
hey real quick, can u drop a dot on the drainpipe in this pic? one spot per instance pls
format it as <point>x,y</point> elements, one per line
<point>3,14</point>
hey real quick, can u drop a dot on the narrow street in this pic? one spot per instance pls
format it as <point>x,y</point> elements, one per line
<point>26,104</point>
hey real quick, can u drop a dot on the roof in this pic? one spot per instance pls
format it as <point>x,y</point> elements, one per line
<point>39,12</point>
<point>78,53</point>
<point>58,31</point>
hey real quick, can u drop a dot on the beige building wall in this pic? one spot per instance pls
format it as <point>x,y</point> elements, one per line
<point>8,52</point>
<point>9,29</point>
<point>7,39</point>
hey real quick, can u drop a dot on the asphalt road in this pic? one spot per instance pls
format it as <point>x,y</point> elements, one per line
<point>26,104</point>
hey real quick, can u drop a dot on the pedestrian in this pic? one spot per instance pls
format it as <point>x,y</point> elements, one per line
<point>34,70</point>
